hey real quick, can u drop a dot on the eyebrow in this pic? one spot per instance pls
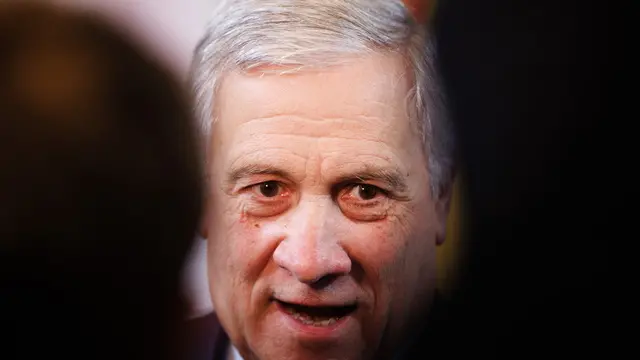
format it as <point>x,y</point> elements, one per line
<point>235,174</point>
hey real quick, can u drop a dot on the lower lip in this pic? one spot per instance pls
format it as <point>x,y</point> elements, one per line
<point>311,332</point>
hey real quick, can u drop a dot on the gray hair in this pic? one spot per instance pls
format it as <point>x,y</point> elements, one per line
<point>300,34</point>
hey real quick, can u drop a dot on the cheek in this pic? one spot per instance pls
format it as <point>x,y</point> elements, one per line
<point>394,253</point>
<point>233,242</point>
<point>379,249</point>
<point>233,262</point>
<point>383,245</point>
<point>225,245</point>
<point>418,228</point>
<point>242,246</point>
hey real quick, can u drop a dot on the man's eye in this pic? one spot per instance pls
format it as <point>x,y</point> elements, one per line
<point>364,202</point>
<point>268,189</point>
<point>267,199</point>
<point>365,192</point>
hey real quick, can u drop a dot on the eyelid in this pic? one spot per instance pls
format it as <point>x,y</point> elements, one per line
<point>348,188</point>
<point>378,188</point>
<point>353,184</point>
<point>248,183</point>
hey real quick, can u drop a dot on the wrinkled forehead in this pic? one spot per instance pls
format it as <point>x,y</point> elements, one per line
<point>375,85</point>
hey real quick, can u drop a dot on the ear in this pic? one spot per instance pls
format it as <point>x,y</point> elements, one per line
<point>443,205</point>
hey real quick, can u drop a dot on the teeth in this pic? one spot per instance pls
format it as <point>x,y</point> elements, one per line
<point>311,320</point>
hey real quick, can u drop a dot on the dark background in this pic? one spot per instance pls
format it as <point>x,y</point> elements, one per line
<point>531,92</point>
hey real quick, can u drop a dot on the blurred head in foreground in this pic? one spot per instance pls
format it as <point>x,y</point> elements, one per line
<point>330,170</point>
<point>99,190</point>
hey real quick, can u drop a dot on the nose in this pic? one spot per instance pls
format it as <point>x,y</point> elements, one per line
<point>311,250</point>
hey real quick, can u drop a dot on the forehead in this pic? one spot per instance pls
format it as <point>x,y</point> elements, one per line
<point>359,106</point>
<point>375,84</point>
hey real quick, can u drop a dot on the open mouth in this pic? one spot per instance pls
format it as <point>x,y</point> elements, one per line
<point>316,315</point>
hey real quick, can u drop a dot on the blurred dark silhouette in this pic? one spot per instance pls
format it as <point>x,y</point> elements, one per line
<point>99,191</point>
<point>528,85</point>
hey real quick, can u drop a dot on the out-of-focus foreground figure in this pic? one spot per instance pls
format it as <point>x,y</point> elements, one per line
<point>530,87</point>
<point>99,191</point>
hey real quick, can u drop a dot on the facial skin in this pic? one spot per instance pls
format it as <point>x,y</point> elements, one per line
<point>319,196</point>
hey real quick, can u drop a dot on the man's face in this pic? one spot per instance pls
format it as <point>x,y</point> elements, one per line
<point>321,226</point>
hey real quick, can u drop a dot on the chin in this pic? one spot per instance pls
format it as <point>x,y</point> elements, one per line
<point>303,353</point>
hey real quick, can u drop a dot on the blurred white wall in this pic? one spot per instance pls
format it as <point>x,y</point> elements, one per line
<point>171,28</point>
